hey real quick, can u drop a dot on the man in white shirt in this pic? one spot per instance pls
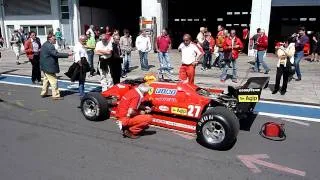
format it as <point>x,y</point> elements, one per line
<point>191,55</point>
<point>143,44</point>
<point>104,50</point>
<point>81,57</point>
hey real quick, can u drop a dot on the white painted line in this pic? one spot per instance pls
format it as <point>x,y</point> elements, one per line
<point>295,121</point>
<point>290,104</point>
<point>36,86</point>
<point>67,81</point>
<point>289,117</point>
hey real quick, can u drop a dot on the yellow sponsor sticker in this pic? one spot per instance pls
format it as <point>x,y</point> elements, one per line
<point>179,111</point>
<point>248,98</point>
<point>150,91</point>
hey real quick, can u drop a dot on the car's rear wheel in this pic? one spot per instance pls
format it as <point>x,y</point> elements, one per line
<point>218,128</point>
<point>94,107</point>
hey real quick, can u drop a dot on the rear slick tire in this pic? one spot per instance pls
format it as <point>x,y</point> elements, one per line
<point>218,129</point>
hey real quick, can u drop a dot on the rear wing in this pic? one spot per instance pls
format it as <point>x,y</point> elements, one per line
<point>249,94</point>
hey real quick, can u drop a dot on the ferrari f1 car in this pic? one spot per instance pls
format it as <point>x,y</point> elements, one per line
<point>212,114</point>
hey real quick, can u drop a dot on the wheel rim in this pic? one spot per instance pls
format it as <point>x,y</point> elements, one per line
<point>90,108</point>
<point>213,132</point>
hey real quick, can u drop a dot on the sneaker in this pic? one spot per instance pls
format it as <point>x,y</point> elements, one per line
<point>283,92</point>
<point>40,83</point>
<point>124,76</point>
<point>299,79</point>
<point>119,123</point>
<point>127,133</point>
<point>18,63</point>
<point>57,98</point>
<point>275,91</point>
<point>267,72</point>
<point>234,80</point>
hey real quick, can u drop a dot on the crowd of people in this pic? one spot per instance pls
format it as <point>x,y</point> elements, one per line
<point>114,57</point>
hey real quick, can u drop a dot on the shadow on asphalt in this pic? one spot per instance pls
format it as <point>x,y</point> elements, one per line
<point>9,71</point>
<point>67,93</point>
<point>246,123</point>
<point>226,148</point>
<point>133,68</point>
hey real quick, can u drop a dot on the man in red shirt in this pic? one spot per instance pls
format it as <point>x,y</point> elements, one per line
<point>262,46</point>
<point>130,121</point>
<point>162,46</point>
<point>231,47</point>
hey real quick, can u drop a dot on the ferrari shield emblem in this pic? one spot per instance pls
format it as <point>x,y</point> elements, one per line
<point>150,91</point>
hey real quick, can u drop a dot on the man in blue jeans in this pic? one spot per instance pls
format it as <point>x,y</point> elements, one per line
<point>301,40</point>
<point>90,46</point>
<point>143,45</point>
<point>162,46</point>
<point>126,48</point>
<point>261,46</point>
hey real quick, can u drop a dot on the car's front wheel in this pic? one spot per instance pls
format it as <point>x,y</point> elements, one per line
<point>218,128</point>
<point>94,107</point>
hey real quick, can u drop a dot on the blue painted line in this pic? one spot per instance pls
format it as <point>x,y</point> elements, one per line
<point>265,107</point>
<point>288,110</point>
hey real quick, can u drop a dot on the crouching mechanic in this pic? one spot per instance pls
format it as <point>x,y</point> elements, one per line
<point>132,120</point>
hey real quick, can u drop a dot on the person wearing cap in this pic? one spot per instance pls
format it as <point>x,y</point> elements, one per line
<point>131,119</point>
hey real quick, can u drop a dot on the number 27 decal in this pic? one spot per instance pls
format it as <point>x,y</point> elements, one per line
<point>193,110</point>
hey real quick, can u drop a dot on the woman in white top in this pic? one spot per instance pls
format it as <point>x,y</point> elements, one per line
<point>285,53</point>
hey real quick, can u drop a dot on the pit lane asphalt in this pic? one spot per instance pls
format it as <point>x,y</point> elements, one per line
<point>45,139</point>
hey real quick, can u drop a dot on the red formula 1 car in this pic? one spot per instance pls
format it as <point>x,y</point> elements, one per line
<point>210,113</point>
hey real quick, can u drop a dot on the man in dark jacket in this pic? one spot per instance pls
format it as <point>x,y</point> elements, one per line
<point>50,66</point>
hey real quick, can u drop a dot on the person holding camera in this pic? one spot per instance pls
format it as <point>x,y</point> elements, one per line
<point>301,40</point>
<point>285,53</point>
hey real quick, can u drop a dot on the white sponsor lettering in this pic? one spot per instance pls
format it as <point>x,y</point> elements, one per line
<point>170,123</point>
<point>163,108</point>
<point>121,86</point>
<point>249,90</point>
<point>166,99</point>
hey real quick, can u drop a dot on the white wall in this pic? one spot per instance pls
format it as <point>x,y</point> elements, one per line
<point>37,20</point>
<point>295,2</point>
<point>158,9</point>
<point>260,17</point>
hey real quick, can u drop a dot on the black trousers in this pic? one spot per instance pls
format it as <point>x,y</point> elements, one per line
<point>285,72</point>
<point>36,73</point>
<point>115,71</point>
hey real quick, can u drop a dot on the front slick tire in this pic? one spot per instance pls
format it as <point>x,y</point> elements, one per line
<point>94,107</point>
<point>218,129</point>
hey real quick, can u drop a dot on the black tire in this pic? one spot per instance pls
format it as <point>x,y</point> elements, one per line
<point>98,105</point>
<point>218,116</point>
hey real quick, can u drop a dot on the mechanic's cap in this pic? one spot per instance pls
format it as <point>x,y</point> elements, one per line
<point>144,88</point>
